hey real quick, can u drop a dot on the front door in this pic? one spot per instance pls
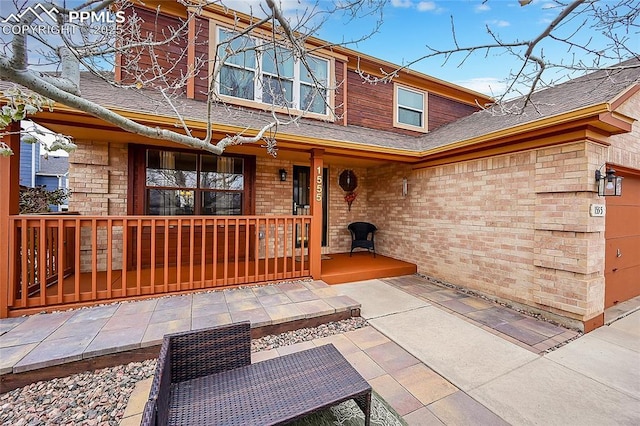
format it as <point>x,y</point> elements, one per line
<point>301,204</point>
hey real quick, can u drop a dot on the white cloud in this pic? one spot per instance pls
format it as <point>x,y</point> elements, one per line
<point>426,6</point>
<point>498,23</point>
<point>487,85</point>
<point>402,3</point>
<point>482,7</point>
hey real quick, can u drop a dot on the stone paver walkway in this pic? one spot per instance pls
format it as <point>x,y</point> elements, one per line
<point>415,391</point>
<point>39,341</point>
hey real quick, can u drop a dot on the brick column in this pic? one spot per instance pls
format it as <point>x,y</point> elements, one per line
<point>568,243</point>
<point>9,205</point>
<point>315,198</point>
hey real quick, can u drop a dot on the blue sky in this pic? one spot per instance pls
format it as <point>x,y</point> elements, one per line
<point>408,25</point>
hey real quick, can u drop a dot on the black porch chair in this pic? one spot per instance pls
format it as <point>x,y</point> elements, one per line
<point>360,232</point>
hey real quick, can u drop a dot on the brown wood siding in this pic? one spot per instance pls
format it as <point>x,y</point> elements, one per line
<point>444,111</point>
<point>369,105</point>
<point>171,57</point>
<point>202,54</point>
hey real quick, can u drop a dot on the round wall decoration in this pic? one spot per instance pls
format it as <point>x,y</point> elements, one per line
<point>348,180</point>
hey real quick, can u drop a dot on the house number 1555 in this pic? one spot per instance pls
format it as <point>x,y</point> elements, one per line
<point>319,185</point>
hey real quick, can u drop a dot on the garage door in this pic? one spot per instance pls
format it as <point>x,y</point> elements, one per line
<point>622,234</point>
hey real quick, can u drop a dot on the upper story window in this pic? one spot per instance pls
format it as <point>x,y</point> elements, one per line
<point>410,109</point>
<point>261,72</point>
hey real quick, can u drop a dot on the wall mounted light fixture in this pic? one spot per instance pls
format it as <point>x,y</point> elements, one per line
<point>608,184</point>
<point>283,175</point>
<point>405,187</point>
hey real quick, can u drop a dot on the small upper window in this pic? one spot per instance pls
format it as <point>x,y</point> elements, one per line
<point>410,109</point>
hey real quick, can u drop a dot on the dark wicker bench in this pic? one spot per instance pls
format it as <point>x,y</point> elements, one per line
<point>206,378</point>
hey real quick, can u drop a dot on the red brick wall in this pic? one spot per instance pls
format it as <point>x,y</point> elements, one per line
<point>273,197</point>
<point>98,178</point>
<point>339,239</point>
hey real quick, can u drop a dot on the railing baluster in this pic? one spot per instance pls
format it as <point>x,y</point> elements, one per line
<point>203,252</point>
<point>214,254</point>
<point>267,256</point>
<point>125,255</point>
<point>60,258</point>
<point>285,243</point>
<point>256,251</point>
<point>236,253</point>
<point>94,259</point>
<point>27,252</point>
<point>42,261</point>
<point>276,248</point>
<point>109,258</point>
<point>226,251</point>
<point>247,248</point>
<point>13,263</point>
<point>152,273</point>
<point>165,265</point>
<point>179,256</point>
<point>191,251</point>
<point>138,227</point>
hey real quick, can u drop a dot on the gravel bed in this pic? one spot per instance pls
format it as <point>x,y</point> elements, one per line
<point>100,397</point>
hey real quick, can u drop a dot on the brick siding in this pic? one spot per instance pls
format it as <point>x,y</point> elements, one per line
<point>479,224</point>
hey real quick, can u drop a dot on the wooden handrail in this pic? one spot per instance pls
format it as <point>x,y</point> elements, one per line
<point>65,260</point>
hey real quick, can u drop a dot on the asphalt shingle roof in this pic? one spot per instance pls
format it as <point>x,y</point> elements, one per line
<point>591,89</point>
<point>57,166</point>
<point>152,102</point>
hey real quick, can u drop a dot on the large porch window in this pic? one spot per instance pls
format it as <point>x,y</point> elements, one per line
<point>185,183</point>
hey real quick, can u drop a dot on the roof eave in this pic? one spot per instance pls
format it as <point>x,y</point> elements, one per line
<point>598,117</point>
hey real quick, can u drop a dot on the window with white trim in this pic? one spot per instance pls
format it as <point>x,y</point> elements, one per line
<point>259,71</point>
<point>410,108</point>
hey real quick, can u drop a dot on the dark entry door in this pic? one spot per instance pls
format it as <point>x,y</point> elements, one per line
<point>301,197</point>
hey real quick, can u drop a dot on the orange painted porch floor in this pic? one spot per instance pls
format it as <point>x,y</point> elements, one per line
<point>339,268</point>
<point>265,272</point>
<point>336,269</point>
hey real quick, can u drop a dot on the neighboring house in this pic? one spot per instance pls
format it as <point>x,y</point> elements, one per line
<point>502,204</point>
<point>53,174</point>
<point>29,163</point>
<point>48,171</point>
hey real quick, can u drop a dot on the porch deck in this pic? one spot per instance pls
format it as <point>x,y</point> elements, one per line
<point>337,268</point>
<point>340,268</point>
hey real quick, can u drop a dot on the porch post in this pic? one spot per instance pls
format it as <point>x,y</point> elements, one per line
<point>315,248</point>
<point>9,205</point>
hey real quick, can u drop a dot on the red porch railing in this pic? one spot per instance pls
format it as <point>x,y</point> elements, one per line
<point>63,260</point>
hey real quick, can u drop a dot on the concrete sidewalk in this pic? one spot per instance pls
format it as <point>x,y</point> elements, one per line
<point>593,380</point>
